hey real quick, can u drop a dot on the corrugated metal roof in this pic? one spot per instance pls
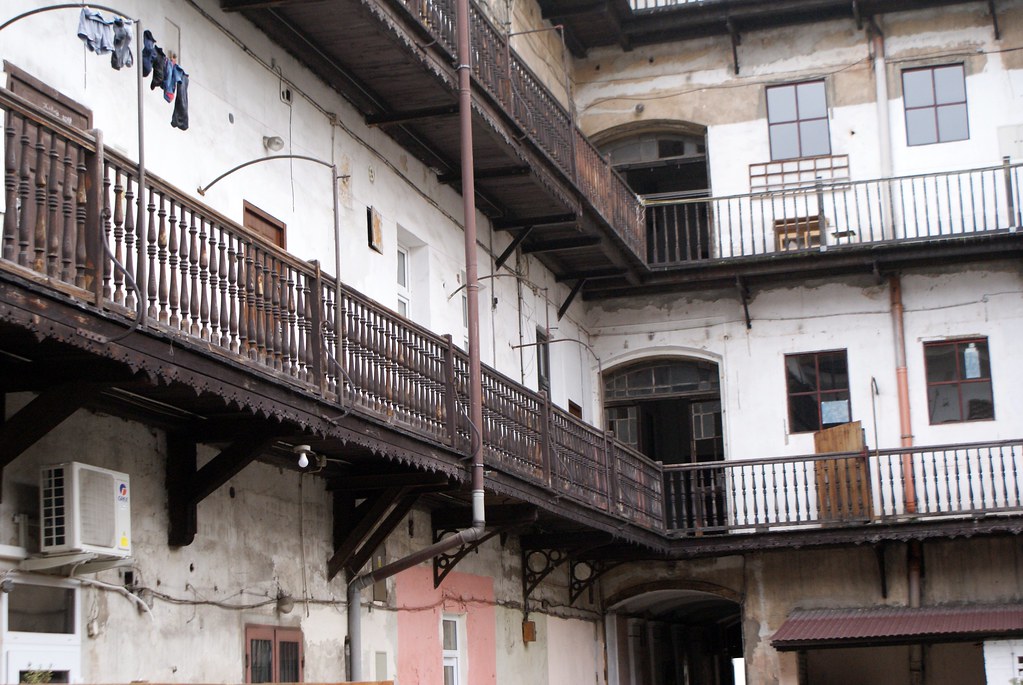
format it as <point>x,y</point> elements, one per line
<point>897,625</point>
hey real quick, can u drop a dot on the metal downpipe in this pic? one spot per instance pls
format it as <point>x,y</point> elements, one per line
<point>476,531</point>
<point>902,383</point>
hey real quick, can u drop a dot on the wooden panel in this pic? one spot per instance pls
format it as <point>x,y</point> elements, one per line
<point>843,485</point>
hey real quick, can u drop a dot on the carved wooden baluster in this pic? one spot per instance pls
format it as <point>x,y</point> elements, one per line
<point>201,269</point>
<point>129,240</point>
<point>106,214</point>
<point>172,264</point>
<point>220,319</point>
<point>184,265</point>
<point>193,305</point>
<point>24,189</point>
<point>233,294</point>
<point>259,279</point>
<point>81,212</point>
<point>251,312</point>
<point>53,225</point>
<point>67,210</point>
<point>216,256</point>
<point>266,295</point>
<point>288,325</point>
<point>118,232</point>
<point>161,243</point>
<point>276,321</point>
<point>39,233</point>
<point>305,325</point>
<point>151,250</point>
<point>10,235</point>
<point>326,304</point>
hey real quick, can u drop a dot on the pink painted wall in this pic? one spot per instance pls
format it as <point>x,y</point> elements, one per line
<point>420,608</point>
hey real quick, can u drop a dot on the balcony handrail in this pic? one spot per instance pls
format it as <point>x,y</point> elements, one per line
<point>216,286</point>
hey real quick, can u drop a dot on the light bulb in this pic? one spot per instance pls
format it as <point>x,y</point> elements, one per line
<point>303,460</point>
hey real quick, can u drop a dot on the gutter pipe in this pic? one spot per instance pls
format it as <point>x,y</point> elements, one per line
<point>902,383</point>
<point>476,531</point>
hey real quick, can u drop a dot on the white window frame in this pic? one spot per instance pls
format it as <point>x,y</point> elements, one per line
<point>42,651</point>
<point>403,257</point>
<point>458,657</point>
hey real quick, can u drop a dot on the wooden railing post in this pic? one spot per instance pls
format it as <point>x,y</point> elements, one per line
<point>95,257</point>
<point>611,467</point>
<point>316,342</point>
<point>545,437</point>
<point>1009,199</point>
<point>450,392</point>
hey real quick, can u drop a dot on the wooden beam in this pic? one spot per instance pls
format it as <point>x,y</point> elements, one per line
<point>497,515</point>
<point>516,241</point>
<point>366,518</point>
<point>242,5</point>
<point>40,416</point>
<point>408,116</point>
<point>559,244</point>
<point>387,526</point>
<point>571,296</point>
<point>608,272</point>
<point>487,174</point>
<point>522,222</point>
<point>389,480</point>
<point>186,486</point>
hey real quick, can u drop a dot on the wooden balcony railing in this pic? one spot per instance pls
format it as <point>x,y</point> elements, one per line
<point>216,287</point>
<point>834,215</point>
<point>856,488</point>
<point>502,74</point>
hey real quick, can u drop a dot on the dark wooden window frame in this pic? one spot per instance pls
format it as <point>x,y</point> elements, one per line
<point>960,379</point>
<point>798,120</point>
<point>817,393</point>
<point>935,106</point>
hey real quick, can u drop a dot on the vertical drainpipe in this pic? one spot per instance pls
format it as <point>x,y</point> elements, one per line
<point>884,128</point>
<point>466,535</point>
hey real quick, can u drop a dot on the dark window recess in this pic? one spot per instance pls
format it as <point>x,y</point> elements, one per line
<point>273,655</point>
<point>543,361</point>
<point>797,120</point>
<point>959,381</point>
<point>818,390</point>
<point>264,225</point>
<point>935,101</point>
<point>41,609</point>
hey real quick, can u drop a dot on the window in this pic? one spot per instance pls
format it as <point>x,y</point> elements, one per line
<point>264,225</point>
<point>543,361</point>
<point>404,282</point>
<point>797,120</point>
<point>453,645</point>
<point>958,381</point>
<point>273,654</point>
<point>818,390</point>
<point>935,101</point>
<point>41,641</point>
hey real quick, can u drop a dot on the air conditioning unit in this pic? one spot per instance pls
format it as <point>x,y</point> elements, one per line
<point>85,509</point>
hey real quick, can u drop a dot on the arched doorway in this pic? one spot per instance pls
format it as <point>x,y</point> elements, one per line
<point>670,410</point>
<point>675,637</point>
<point>664,162</point>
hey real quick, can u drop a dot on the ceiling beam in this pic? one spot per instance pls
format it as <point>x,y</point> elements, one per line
<point>606,272</point>
<point>487,174</point>
<point>559,244</point>
<point>523,222</point>
<point>409,116</point>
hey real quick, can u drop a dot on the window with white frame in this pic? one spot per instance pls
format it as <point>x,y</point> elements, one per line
<point>797,120</point>
<point>935,101</point>
<point>41,636</point>
<point>404,281</point>
<point>453,645</point>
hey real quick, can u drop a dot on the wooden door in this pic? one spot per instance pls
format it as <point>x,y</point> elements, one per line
<point>843,485</point>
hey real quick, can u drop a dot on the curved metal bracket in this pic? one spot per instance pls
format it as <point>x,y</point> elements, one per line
<point>537,564</point>
<point>584,574</point>
<point>443,564</point>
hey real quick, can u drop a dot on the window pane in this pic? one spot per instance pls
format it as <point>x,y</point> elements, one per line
<point>41,609</point>
<point>450,675</point>
<point>261,661</point>
<point>977,401</point>
<point>784,141</point>
<point>781,104</point>
<point>952,123</point>
<point>450,635</point>
<point>812,102</point>
<point>288,662</point>
<point>813,138</point>
<point>941,363</point>
<point>835,409</point>
<point>949,84</point>
<point>921,128</point>
<point>801,372</point>
<point>804,416</point>
<point>834,372</point>
<point>975,360</point>
<point>943,403</point>
<point>402,269</point>
<point>917,88</point>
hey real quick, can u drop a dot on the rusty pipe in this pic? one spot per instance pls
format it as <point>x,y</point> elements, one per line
<point>902,383</point>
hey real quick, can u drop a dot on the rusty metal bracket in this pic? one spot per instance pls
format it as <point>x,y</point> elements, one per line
<point>736,42</point>
<point>994,18</point>
<point>516,241</point>
<point>571,296</point>
<point>443,564</point>
<point>537,564</point>
<point>744,297</point>
<point>583,574</point>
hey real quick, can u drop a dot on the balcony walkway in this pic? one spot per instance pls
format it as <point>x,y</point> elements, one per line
<point>253,333</point>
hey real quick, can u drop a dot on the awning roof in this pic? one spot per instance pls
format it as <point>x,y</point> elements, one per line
<point>897,625</point>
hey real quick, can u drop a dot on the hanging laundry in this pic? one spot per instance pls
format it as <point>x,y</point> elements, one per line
<point>149,48</point>
<point>160,63</point>
<point>179,119</point>
<point>96,31</point>
<point>171,80</point>
<point>121,55</point>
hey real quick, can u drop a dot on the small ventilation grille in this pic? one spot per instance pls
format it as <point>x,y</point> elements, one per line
<point>54,512</point>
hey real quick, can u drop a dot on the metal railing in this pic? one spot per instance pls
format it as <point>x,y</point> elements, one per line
<point>850,488</point>
<point>834,215</point>
<point>218,288</point>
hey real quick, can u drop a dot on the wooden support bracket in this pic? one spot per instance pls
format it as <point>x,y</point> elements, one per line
<point>736,42</point>
<point>740,285</point>
<point>516,241</point>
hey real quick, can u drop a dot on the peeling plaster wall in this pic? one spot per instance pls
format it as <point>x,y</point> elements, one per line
<point>853,314</point>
